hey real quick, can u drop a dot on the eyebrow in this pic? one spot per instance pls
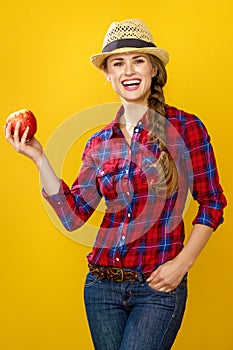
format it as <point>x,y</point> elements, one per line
<point>121,59</point>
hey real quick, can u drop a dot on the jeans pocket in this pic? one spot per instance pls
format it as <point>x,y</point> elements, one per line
<point>90,280</point>
<point>181,287</point>
<point>151,289</point>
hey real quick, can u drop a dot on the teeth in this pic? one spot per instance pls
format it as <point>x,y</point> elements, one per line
<point>131,82</point>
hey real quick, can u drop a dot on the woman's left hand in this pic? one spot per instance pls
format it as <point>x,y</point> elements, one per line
<point>167,276</point>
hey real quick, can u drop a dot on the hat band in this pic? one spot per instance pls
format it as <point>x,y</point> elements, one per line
<point>121,43</point>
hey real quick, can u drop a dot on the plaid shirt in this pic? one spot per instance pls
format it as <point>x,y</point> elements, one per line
<point>141,229</point>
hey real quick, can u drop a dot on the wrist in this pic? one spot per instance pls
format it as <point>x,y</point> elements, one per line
<point>185,259</point>
<point>38,160</point>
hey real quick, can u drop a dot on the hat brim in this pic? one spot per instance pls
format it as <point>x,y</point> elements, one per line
<point>98,59</point>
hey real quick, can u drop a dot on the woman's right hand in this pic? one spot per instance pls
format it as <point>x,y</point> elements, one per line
<point>31,149</point>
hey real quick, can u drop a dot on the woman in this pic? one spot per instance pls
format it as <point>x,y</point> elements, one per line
<point>143,164</point>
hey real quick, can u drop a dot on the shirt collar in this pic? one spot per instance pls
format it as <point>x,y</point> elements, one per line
<point>115,124</point>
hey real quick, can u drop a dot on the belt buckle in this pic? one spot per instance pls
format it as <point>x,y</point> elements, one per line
<point>118,270</point>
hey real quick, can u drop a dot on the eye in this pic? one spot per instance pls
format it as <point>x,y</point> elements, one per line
<point>117,64</point>
<point>139,61</point>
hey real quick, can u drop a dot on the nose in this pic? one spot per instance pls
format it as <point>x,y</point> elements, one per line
<point>129,68</point>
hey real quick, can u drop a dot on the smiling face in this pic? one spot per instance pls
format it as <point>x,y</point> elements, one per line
<point>131,74</point>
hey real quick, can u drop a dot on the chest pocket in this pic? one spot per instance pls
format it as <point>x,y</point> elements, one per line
<point>109,177</point>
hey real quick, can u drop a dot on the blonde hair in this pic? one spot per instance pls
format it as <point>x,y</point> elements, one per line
<point>167,176</point>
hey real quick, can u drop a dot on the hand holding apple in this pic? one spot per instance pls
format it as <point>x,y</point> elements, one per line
<point>26,118</point>
<point>19,131</point>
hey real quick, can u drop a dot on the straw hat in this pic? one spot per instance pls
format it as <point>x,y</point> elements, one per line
<point>128,36</point>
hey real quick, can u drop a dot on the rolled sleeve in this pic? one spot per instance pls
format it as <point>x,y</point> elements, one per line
<point>57,200</point>
<point>206,188</point>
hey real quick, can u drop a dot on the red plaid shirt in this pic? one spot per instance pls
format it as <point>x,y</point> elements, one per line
<point>140,229</point>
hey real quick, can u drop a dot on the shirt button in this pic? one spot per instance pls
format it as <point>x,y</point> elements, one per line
<point>58,203</point>
<point>128,193</point>
<point>129,215</point>
<point>136,130</point>
<point>117,259</point>
<point>102,172</point>
<point>123,237</point>
<point>127,171</point>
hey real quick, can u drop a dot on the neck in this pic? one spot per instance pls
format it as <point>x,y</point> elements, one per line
<point>132,113</point>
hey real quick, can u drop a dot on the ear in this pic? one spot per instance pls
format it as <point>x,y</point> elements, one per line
<point>107,76</point>
<point>154,72</point>
<point>105,71</point>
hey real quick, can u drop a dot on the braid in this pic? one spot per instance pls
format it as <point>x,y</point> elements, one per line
<point>166,169</point>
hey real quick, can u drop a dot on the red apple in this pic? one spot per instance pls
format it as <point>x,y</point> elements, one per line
<point>26,118</point>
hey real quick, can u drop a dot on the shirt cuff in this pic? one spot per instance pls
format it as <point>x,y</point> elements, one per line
<point>57,200</point>
<point>209,217</point>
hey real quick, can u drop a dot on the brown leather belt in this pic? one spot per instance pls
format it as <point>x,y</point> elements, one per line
<point>115,274</point>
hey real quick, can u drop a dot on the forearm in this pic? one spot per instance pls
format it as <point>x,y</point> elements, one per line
<point>34,151</point>
<point>167,276</point>
<point>50,181</point>
<point>196,242</point>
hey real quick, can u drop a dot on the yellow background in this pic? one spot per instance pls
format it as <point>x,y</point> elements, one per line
<point>44,66</point>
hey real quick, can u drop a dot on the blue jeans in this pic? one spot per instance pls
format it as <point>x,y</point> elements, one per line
<point>130,315</point>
